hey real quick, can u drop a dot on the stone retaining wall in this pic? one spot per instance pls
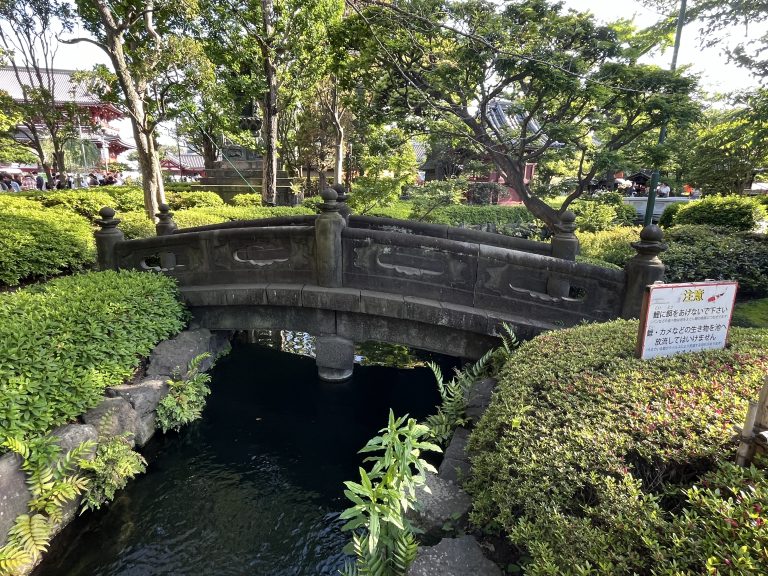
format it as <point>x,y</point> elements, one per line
<point>126,408</point>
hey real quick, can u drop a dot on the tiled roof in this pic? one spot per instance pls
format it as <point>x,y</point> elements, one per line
<point>188,161</point>
<point>503,119</point>
<point>63,87</point>
<point>420,149</point>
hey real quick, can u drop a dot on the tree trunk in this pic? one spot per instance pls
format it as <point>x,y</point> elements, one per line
<point>151,175</point>
<point>338,159</point>
<point>209,152</point>
<point>270,110</point>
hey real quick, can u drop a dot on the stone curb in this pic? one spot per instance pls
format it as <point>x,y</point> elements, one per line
<point>446,507</point>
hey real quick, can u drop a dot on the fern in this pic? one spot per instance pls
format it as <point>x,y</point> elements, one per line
<point>185,400</point>
<point>110,469</point>
<point>31,533</point>
<point>13,558</point>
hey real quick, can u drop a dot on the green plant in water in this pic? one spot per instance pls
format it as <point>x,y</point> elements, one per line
<point>110,469</point>
<point>185,400</point>
<point>452,411</point>
<point>53,482</point>
<point>383,542</point>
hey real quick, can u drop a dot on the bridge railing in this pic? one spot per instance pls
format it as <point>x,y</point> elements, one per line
<point>438,263</point>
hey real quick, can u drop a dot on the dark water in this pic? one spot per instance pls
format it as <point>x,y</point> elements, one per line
<point>253,488</point>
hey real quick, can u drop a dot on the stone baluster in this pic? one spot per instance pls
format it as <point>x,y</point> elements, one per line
<point>107,238</point>
<point>328,227</point>
<point>166,226</point>
<point>565,246</point>
<point>165,223</point>
<point>344,208</point>
<point>643,269</point>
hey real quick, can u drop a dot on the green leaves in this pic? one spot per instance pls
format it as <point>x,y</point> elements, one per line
<point>185,400</point>
<point>384,495</point>
<point>63,342</point>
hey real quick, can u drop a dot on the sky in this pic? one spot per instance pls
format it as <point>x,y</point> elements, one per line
<point>716,74</point>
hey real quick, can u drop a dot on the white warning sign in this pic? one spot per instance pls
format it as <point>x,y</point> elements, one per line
<point>685,318</point>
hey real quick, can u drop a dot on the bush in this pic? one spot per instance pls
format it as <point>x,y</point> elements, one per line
<point>592,216</point>
<point>63,342</point>
<point>667,218</point>
<point>612,246</point>
<point>84,202</point>
<point>485,192</point>
<point>136,225</point>
<point>247,200</point>
<point>125,198</point>
<point>584,456</point>
<point>400,210</point>
<point>703,252</point>
<point>498,217</point>
<point>205,216</point>
<point>186,200</point>
<point>736,212</point>
<point>37,242</point>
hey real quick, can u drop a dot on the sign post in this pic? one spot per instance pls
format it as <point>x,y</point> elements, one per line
<point>685,318</point>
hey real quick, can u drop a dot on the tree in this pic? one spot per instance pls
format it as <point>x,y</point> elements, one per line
<point>561,80</point>
<point>730,146</point>
<point>273,50</point>
<point>28,32</point>
<point>156,68</point>
<point>10,149</point>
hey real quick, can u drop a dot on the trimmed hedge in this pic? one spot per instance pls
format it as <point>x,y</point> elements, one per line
<point>247,200</point>
<point>591,461</point>
<point>84,202</point>
<point>37,242</point>
<point>500,216</point>
<point>205,216</point>
<point>701,252</point>
<point>63,342</point>
<point>196,199</point>
<point>736,212</point>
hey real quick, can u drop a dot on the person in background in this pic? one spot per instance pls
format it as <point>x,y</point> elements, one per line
<point>28,182</point>
<point>39,180</point>
<point>664,190</point>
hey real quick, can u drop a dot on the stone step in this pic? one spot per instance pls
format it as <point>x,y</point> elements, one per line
<point>237,180</point>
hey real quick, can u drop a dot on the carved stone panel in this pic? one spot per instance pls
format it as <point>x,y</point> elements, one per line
<point>409,269</point>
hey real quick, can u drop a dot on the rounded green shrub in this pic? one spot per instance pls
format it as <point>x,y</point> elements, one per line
<point>588,459</point>
<point>86,202</point>
<point>196,199</point>
<point>667,219</point>
<point>499,216</point>
<point>206,216</point>
<point>736,212</point>
<point>703,252</point>
<point>37,242</point>
<point>594,216</point>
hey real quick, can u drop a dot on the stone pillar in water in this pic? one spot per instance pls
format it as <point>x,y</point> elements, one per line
<point>335,358</point>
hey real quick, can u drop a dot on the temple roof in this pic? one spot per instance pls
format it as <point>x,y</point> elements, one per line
<point>189,161</point>
<point>503,118</point>
<point>60,82</point>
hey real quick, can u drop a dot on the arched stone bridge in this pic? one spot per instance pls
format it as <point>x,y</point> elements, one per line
<point>350,279</point>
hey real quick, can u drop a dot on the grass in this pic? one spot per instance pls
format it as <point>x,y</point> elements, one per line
<point>752,314</point>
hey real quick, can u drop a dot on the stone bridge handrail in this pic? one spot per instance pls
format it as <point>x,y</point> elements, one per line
<point>433,262</point>
<point>450,232</point>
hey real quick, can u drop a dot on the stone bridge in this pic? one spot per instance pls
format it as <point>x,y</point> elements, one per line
<point>347,279</point>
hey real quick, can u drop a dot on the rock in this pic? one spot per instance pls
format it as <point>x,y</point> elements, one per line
<point>146,428</point>
<point>13,493</point>
<point>479,397</point>
<point>72,435</point>
<point>444,506</point>
<point>453,557</point>
<point>173,356</point>
<point>113,417</point>
<point>455,466</point>
<point>143,396</point>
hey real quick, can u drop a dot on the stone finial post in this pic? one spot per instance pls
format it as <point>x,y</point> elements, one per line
<point>165,223</point>
<point>166,226</point>
<point>328,227</point>
<point>107,237</point>
<point>643,269</point>
<point>565,245</point>
<point>344,209</point>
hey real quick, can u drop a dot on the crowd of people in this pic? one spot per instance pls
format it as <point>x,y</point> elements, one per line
<point>34,180</point>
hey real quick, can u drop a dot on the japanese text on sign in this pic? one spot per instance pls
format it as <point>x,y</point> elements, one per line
<point>685,318</point>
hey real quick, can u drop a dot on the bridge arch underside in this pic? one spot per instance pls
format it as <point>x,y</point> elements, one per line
<point>355,315</point>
